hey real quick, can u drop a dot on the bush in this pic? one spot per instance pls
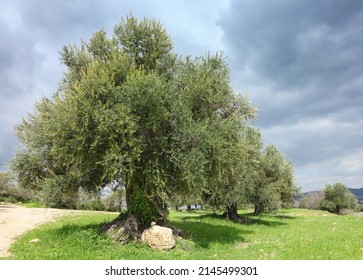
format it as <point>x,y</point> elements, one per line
<point>114,201</point>
<point>55,193</point>
<point>10,192</point>
<point>337,197</point>
<point>312,200</point>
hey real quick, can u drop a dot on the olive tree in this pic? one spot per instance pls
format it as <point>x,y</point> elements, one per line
<point>238,175</point>
<point>337,197</point>
<point>275,184</point>
<point>129,110</point>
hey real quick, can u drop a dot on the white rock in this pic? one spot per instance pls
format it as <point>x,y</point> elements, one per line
<point>36,240</point>
<point>158,237</point>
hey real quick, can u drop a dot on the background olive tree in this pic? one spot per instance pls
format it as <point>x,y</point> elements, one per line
<point>337,197</point>
<point>275,183</point>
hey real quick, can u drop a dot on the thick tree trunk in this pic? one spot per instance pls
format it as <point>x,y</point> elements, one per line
<point>258,209</point>
<point>189,207</point>
<point>232,214</point>
<point>146,208</point>
<point>142,210</point>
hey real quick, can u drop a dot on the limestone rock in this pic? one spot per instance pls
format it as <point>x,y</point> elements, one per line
<point>35,240</point>
<point>158,237</point>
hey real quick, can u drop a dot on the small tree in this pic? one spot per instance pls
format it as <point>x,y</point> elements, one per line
<point>237,176</point>
<point>275,186</point>
<point>337,197</point>
<point>10,191</point>
<point>5,183</point>
<point>312,200</point>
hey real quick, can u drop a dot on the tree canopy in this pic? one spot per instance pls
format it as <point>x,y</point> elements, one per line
<point>130,110</point>
<point>337,197</point>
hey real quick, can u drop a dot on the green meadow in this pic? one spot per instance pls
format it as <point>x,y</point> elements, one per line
<point>291,234</point>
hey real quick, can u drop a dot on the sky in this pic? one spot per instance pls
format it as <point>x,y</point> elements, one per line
<point>299,62</point>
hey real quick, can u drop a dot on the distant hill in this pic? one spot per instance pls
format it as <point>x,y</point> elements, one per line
<point>357,192</point>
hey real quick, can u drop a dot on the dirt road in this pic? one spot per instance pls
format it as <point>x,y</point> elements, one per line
<point>16,220</point>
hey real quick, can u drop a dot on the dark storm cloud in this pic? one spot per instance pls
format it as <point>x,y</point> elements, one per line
<point>282,39</point>
<point>65,21</point>
<point>18,60</point>
<point>301,61</point>
<point>313,47</point>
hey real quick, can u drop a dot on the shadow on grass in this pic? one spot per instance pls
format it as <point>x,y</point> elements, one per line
<point>204,234</point>
<point>92,230</point>
<point>249,218</point>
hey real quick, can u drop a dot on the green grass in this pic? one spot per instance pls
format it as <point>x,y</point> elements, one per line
<point>32,205</point>
<point>290,234</point>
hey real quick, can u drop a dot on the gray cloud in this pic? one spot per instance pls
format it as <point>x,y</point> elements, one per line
<point>301,62</point>
<point>283,39</point>
<point>33,32</point>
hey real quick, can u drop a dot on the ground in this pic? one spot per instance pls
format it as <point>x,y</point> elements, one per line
<point>16,220</point>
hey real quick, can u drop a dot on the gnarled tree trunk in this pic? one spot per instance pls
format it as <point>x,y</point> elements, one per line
<point>142,210</point>
<point>232,214</point>
<point>258,209</point>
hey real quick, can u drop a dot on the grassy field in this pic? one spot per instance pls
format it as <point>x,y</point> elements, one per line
<point>289,235</point>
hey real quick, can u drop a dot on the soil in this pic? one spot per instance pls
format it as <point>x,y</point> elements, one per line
<point>16,220</point>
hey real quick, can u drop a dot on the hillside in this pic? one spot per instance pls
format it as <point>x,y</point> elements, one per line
<point>357,192</point>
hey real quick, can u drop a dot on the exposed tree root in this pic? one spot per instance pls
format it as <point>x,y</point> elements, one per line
<point>126,228</point>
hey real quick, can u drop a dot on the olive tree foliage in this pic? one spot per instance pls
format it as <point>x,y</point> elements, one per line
<point>10,192</point>
<point>337,197</point>
<point>275,184</point>
<point>238,175</point>
<point>5,184</point>
<point>131,111</point>
<point>5,181</point>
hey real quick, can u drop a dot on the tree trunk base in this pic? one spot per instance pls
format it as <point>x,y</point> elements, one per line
<point>231,214</point>
<point>126,228</point>
<point>258,210</point>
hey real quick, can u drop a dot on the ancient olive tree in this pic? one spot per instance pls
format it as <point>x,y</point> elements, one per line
<point>130,110</point>
<point>337,197</point>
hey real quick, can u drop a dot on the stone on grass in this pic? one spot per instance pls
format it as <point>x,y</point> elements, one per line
<point>158,237</point>
<point>35,240</point>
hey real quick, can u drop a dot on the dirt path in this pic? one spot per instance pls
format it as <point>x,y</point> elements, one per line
<point>16,220</point>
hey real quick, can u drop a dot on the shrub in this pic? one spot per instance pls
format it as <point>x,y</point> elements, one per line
<point>337,197</point>
<point>10,192</point>
<point>312,200</point>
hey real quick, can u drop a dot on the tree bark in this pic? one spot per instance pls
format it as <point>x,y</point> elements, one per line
<point>145,208</point>
<point>232,214</point>
<point>258,209</point>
